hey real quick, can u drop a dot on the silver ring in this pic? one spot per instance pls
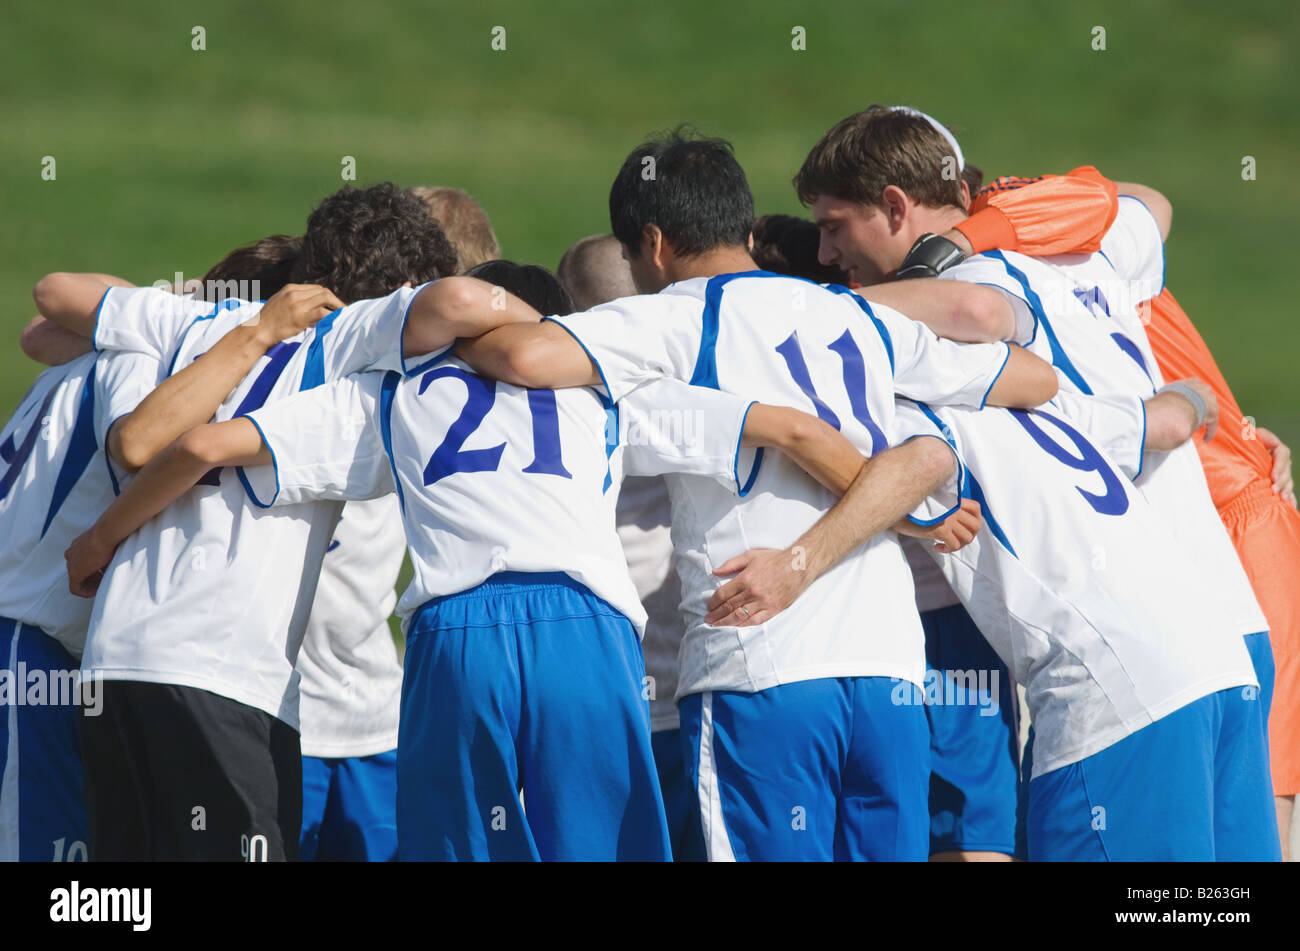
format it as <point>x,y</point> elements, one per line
<point>745,610</point>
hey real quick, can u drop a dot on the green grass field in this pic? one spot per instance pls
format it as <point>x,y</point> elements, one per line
<point>167,157</point>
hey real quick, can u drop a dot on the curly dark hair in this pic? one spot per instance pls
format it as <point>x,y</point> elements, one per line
<point>367,242</point>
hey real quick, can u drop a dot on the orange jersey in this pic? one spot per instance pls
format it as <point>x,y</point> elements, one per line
<point>1235,457</point>
<point>1070,213</point>
<point>1056,214</point>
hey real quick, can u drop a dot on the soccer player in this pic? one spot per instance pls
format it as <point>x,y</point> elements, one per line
<point>218,700</point>
<point>54,480</point>
<point>749,706</point>
<point>60,471</point>
<point>1055,214</point>
<point>594,272</point>
<point>873,209</point>
<point>522,668</point>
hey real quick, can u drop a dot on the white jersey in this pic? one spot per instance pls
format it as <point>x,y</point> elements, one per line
<point>1072,578</point>
<point>351,679</point>
<point>786,342</point>
<point>493,477</point>
<point>56,479</point>
<point>214,593</point>
<point>1084,314</point>
<point>644,517</point>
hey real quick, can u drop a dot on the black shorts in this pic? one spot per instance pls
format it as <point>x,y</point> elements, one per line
<point>178,773</point>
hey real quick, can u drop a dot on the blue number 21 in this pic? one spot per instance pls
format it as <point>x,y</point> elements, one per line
<point>449,458</point>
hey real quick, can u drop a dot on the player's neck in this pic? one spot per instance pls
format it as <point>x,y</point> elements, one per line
<point>937,220</point>
<point>711,263</point>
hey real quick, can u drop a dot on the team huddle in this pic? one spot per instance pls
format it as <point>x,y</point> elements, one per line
<point>732,539</point>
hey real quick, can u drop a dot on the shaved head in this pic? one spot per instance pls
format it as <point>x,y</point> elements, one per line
<point>594,272</point>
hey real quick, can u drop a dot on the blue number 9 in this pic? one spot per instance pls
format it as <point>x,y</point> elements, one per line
<point>1114,501</point>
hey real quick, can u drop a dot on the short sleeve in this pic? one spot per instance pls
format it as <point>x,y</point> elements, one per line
<point>325,445</point>
<point>145,320</point>
<point>672,427</point>
<point>1116,423</point>
<point>914,420</point>
<point>993,270</point>
<point>122,380</point>
<point>367,335</point>
<point>935,370</point>
<point>636,339</point>
<point>1134,248</point>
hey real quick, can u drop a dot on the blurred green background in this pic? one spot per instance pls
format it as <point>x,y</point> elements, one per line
<point>168,157</point>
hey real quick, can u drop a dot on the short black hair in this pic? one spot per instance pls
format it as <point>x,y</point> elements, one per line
<point>367,242</point>
<point>531,283</point>
<point>784,244</point>
<point>692,188</point>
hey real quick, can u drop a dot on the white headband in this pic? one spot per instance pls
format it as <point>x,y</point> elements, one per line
<point>942,129</point>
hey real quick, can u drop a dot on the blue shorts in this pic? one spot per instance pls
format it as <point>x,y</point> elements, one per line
<point>817,770</point>
<point>1193,786</point>
<point>349,809</point>
<point>527,682</point>
<point>974,745</point>
<point>42,795</point>
<point>679,797</point>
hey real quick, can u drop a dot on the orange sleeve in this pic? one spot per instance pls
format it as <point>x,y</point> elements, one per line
<point>1051,214</point>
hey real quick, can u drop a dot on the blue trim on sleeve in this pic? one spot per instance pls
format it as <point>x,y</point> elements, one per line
<point>1059,358</point>
<point>401,338</point>
<point>94,330</point>
<point>433,360</point>
<point>387,389</point>
<point>927,522</point>
<point>275,466</point>
<point>1142,448</point>
<point>863,303</point>
<point>599,369</point>
<point>108,458</point>
<point>945,433</point>
<point>82,447</point>
<point>1005,360</point>
<point>743,490</point>
<point>1163,258</point>
<point>313,374</point>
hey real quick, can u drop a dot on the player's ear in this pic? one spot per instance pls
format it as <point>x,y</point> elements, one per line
<point>896,205</point>
<point>656,248</point>
<point>965,196</point>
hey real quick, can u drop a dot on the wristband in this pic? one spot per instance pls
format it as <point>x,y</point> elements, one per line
<point>1189,394</point>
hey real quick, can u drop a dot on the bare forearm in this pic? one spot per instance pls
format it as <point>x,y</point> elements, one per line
<point>71,300</point>
<point>889,486</point>
<point>176,469</point>
<point>539,355</point>
<point>1026,381</point>
<point>46,342</point>
<point>188,398</point>
<point>457,307</point>
<point>953,309</point>
<point>818,449</point>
